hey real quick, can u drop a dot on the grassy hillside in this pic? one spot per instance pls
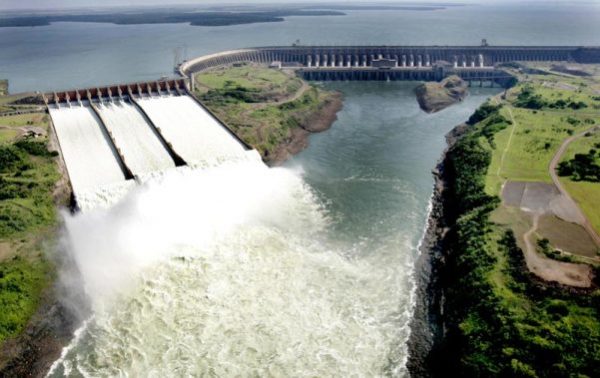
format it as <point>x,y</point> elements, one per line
<point>541,112</point>
<point>501,320</point>
<point>266,107</point>
<point>28,175</point>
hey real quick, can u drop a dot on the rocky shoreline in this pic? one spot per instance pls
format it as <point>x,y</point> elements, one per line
<point>314,123</point>
<point>63,307</point>
<point>434,96</point>
<point>427,325</point>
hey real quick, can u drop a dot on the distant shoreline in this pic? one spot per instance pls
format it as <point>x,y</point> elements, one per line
<point>224,16</point>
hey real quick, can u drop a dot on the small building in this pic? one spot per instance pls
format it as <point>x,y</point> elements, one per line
<point>384,63</point>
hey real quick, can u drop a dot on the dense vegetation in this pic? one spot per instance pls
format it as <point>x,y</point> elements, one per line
<point>27,178</point>
<point>529,99</point>
<point>583,167</point>
<point>501,321</point>
<point>21,283</point>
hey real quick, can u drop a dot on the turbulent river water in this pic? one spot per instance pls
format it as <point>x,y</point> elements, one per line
<point>303,270</point>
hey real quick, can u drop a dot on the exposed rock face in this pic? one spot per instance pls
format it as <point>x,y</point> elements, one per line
<point>433,96</point>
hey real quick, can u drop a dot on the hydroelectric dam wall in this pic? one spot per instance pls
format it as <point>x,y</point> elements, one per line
<point>472,63</point>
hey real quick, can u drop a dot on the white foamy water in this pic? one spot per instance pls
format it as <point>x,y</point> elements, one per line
<point>90,159</point>
<point>141,148</point>
<point>192,132</point>
<point>229,271</point>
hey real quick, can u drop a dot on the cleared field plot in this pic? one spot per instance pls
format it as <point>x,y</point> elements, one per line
<point>566,236</point>
<point>91,160</point>
<point>587,196</point>
<point>142,150</point>
<point>192,132</point>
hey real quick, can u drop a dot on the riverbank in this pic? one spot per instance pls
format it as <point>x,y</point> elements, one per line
<point>482,311</point>
<point>427,329</point>
<point>272,110</point>
<point>34,324</point>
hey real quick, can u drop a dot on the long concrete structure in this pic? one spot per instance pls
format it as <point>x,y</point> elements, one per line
<point>394,62</point>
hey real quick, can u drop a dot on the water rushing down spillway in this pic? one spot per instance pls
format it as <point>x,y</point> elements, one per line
<point>91,159</point>
<point>194,134</point>
<point>101,149</point>
<point>141,147</point>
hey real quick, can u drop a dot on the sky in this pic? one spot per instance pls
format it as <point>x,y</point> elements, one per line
<point>61,4</point>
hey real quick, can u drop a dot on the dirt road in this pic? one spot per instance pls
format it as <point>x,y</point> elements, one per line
<point>552,170</point>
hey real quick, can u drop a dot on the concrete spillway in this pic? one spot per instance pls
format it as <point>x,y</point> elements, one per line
<point>107,143</point>
<point>138,143</point>
<point>91,160</point>
<point>192,132</point>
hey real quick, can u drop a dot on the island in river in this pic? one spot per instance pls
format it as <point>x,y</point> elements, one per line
<point>436,96</point>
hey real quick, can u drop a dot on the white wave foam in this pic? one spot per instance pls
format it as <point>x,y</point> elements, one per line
<point>228,271</point>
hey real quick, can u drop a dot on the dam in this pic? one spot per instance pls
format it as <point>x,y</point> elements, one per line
<point>119,135</point>
<point>471,63</point>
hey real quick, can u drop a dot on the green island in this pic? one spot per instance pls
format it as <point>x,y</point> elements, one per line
<point>522,263</point>
<point>272,110</point>
<point>29,192</point>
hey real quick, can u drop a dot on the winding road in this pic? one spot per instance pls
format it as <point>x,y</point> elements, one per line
<point>552,170</point>
<point>577,275</point>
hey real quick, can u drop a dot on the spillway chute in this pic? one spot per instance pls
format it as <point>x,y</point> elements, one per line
<point>193,133</point>
<point>91,159</point>
<point>141,147</point>
<point>107,141</point>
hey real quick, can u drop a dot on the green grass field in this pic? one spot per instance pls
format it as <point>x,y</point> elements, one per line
<point>268,83</point>
<point>502,322</point>
<point>261,105</point>
<point>28,174</point>
<point>523,150</point>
